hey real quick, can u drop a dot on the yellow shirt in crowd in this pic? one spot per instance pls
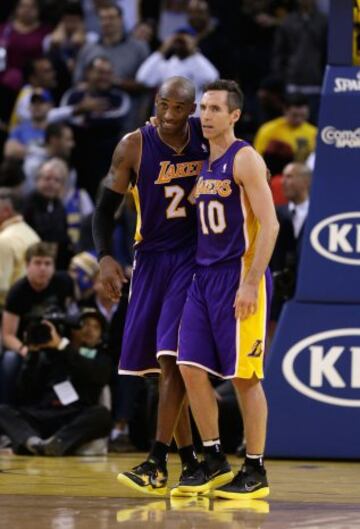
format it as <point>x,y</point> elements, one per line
<point>302,139</point>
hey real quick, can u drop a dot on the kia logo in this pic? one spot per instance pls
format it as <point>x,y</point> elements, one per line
<point>343,237</point>
<point>323,359</point>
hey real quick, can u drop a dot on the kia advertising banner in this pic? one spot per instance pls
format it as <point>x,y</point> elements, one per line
<point>330,265</point>
<point>313,383</point>
<point>313,370</point>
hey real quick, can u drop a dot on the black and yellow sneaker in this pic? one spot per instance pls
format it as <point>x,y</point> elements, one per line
<point>187,470</point>
<point>149,478</point>
<point>205,478</point>
<point>249,484</point>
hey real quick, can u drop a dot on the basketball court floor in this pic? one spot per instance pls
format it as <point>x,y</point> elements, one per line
<point>82,493</point>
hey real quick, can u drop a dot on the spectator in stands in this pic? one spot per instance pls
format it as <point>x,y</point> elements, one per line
<point>145,30</point>
<point>59,388</point>
<point>276,156</point>
<point>45,212</point>
<point>59,143</point>
<point>126,54</point>
<point>292,128</point>
<point>302,35</point>
<point>91,8</point>
<point>64,43</point>
<point>270,98</point>
<point>32,132</point>
<point>292,218</point>
<point>22,39</point>
<point>99,129</point>
<point>15,238</point>
<point>39,74</point>
<point>41,289</point>
<point>211,38</point>
<point>178,56</point>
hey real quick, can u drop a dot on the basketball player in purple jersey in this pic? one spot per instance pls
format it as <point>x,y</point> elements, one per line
<point>225,315</point>
<point>160,165</point>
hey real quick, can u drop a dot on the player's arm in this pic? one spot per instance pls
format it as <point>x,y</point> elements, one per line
<point>124,165</point>
<point>250,172</point>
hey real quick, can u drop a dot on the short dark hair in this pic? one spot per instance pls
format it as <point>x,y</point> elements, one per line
<point>296,100</point>
<point>72,7</point>
<point>111,5</point>
<point>9,195</point>
<point>11,173</point>
<point>54,130</point>
<point>30,66</point>
<point>40,249</point>
<point>235,94</point>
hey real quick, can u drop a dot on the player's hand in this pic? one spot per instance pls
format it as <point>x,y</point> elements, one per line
<point>245,303</point>
<point>112,277</point>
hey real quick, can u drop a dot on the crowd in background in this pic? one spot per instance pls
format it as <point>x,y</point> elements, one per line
<point>75,76</point>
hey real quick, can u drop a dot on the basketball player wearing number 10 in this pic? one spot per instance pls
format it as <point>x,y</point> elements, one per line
<point>225,315</point>
<point>160,164</point>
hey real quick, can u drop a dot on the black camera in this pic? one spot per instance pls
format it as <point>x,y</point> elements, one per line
<point>39,333</point>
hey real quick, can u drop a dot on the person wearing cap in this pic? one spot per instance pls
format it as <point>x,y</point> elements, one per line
<point>31,132</point>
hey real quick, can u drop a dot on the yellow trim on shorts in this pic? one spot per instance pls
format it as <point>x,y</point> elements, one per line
<point>135,194</point>
<point>250,339</point>
<point>251,333</point>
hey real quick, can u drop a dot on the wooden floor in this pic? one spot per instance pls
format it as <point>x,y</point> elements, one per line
<point>82,493</point>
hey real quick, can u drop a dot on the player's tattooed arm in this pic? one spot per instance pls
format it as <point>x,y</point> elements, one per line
<point>124,163</point>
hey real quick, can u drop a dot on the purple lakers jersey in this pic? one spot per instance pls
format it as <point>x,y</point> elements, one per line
<point>227,226</point>
<point>164,189</point>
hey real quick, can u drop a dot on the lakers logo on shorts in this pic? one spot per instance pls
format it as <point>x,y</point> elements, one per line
<point>257,349</point>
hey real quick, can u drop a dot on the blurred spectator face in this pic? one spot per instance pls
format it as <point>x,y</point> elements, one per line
<point>296,116</point>
<point>44,74</point>
<point>91,332</point>
<point>144,31</point>
<point>294,182</point>
<point>27,12</point>
<point>39,110</point>
<point>183,45</point>
<point>39,106</point>
<point>111,23</point>
<point>215,115</point>
<point>198,15</point>
<point>50,181</point>
<point>100,75</point>
<point>63,144</point>
<point>40,271</point>
<point>72,23</point>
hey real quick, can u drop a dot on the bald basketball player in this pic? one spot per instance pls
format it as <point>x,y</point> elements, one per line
<point>160,165</point>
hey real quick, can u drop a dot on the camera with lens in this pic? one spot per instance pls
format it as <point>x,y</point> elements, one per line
<point>37,332</point>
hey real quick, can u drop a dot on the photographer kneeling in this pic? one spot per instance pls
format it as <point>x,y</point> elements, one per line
<point>60,386</point>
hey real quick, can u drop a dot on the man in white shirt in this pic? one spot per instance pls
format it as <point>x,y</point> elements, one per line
<point>178,56</point>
